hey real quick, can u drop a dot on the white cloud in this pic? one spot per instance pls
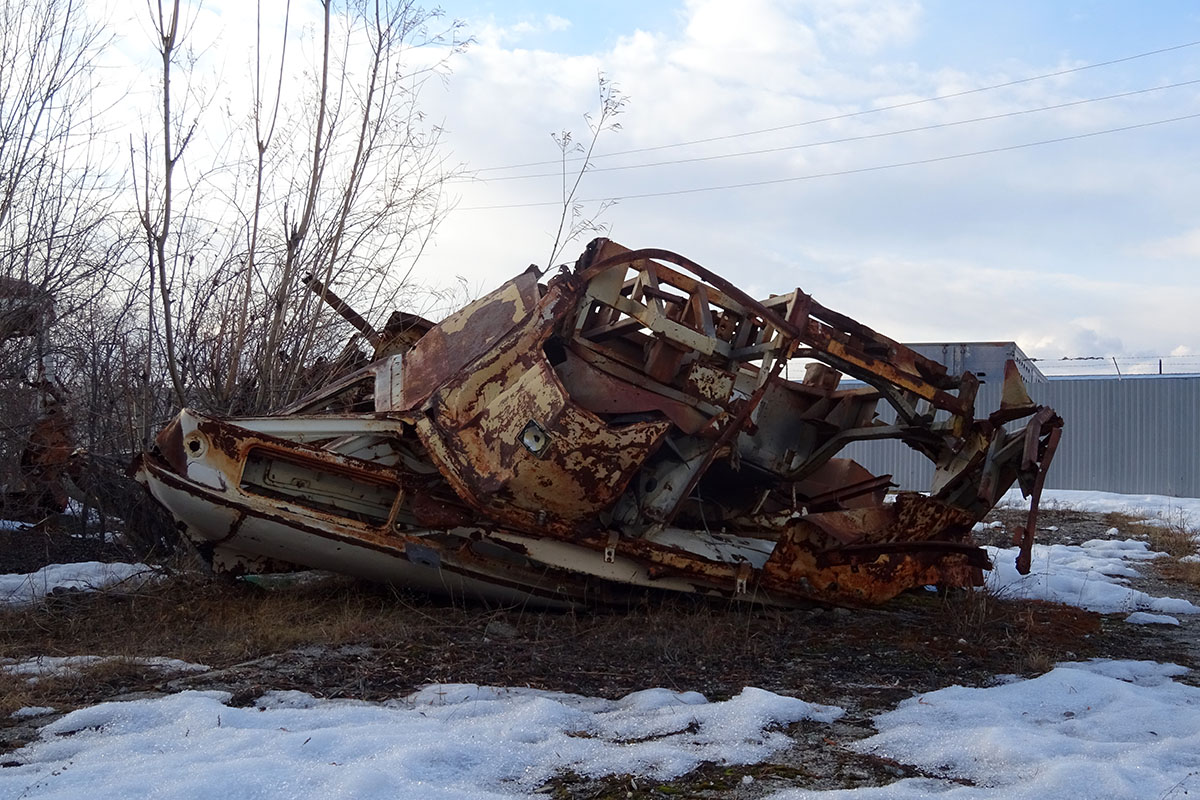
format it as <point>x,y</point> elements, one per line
<point>1185,245</point>
<point>491,33</point>
<point>865,26</point>
<point>1034,244</point>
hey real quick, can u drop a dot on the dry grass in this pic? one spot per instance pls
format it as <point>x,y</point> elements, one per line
<point>1173,534</point>
<point>202,621</point>
<point>188,619</point>
<point>338,638</point>
<point>75,687</point>
<point>1036,633</point>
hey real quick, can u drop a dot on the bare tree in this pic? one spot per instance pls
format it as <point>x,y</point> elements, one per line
<point>372,193</point>
<point>338,178</point>
<point>57,186</point>
<point>156,217</point>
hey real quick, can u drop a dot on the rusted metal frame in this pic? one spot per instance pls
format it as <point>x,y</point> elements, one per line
<point>664,296</point>
<point>683,334</point>
<point>328,391</point>
<point>532,581</point>
<point>731,429</point>
<point>815,332</point>
<point>650,315</point>
<point>960,486</point>
<point>622,328</point>
<point>1025,552</point>
<point>850,491</point>
<point>754,351</point>
<point>220,433</point>
<point>999,453</point>
<point>699,306</point>
<point>601,315</point>
<point>319,426</point>
<point>339,305</point>
<point>968,390</point>
<point>867,551</point>
<point>831,446</point>
<point>312,521</point>
<point>1032,435</point>
<point>317,498</point>
<point>320,460</point>
<point>872,370</point>
<point>894,395</point>
<point>610,364</point>
<point>652,318</point>
<point>646,279</point>
<point>926,368</point>
<point>726,288</point>
<point>736,301</point>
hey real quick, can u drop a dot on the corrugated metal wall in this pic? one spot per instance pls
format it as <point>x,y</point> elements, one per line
<point>1139,435</point>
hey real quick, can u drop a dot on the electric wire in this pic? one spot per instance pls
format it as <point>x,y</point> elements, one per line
<point>863,112</point>
<point>838,173</point>
<point>843,140</point>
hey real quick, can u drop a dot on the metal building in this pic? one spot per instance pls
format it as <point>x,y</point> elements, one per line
<point>1133,434</point>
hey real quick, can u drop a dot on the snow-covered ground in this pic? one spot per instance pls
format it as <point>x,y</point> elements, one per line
<point>69,666</point>
<point>1092,575</point>
<point>1109,729</point>
<point>27,588</point>
<point>1147,505</point>
<point>1112,729</point>
<point>458,742</point>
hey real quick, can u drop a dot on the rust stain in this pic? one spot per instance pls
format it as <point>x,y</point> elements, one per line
<point>625,425</point>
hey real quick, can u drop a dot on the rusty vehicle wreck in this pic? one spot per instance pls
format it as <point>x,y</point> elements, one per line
<point>624,425</point>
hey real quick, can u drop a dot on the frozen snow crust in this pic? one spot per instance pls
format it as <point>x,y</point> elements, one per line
<point>1101,729</point>
<point>1111,729</point>
<point>448,741</point>
<point>85,576</point>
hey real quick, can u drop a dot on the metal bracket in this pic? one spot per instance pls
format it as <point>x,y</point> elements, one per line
<point>743,575</point>
<point>610,550</point>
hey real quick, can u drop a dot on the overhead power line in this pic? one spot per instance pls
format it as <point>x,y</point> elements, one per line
<point>845,139</point>
<point>863,112</point>
<point>855,171</point>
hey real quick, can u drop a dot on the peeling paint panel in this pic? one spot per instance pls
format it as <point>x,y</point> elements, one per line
<point>627,425</point>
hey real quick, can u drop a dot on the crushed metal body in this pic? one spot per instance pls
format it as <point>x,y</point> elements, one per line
<point>628,424</point>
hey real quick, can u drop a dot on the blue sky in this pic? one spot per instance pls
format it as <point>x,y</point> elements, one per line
<point>1085,247</point>
<point>1088,246</point>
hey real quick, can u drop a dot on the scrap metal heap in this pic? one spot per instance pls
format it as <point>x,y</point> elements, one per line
<point>626,424</point>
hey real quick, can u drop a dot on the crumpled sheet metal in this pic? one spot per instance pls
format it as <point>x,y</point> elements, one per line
<point>624,425</point>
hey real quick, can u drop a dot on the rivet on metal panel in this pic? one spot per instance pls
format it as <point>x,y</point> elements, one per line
<point>610,551</point>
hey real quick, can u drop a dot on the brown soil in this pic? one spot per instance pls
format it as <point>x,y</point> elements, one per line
<point>338,638</point>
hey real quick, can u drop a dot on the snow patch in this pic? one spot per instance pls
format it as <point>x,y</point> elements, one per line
<point>1142,618</point>
<point>1121,730</point>
<point>70,666</point>
<point>453,741</point>
<point>31,711</point>
<point>1091,576</point>
<point>1150,505</point>
<point>86,576</point>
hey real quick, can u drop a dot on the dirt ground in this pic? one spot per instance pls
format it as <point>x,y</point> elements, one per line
<point>341,639</point>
